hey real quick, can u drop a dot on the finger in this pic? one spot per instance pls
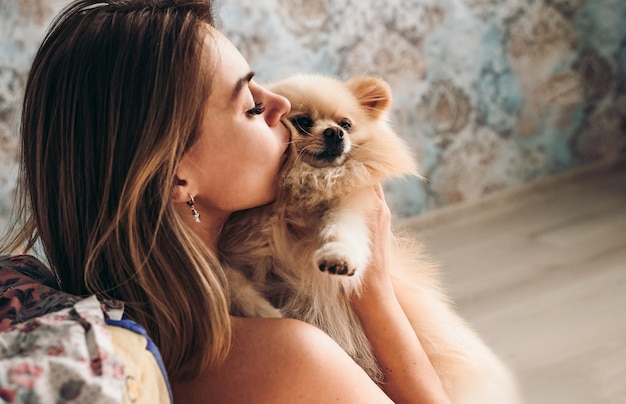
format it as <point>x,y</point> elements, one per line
<point>382,203</point>
<point>378,188</point>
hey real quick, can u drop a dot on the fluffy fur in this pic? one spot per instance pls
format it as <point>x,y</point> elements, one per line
<point>305,254</point>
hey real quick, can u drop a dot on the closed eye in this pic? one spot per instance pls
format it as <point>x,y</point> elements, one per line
<point>258,109</point>
<point>303,123</point>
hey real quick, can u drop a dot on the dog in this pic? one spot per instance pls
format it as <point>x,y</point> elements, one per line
<point>305,254</point>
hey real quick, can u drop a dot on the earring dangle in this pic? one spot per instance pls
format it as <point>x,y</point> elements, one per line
<point>194,212</point>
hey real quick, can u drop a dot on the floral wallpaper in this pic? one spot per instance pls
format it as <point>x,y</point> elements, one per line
<point>22,26</point>
<point>490,94</point>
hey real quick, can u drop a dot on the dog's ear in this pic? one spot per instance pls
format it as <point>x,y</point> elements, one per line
<point>373,94</point>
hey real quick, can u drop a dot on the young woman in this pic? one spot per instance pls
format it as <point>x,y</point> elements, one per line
<point>142,131</point>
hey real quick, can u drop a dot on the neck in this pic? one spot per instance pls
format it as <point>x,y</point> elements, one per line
<point>210,232</point>
<point>208,229</point>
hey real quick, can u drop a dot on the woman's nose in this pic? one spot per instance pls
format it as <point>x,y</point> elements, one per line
<point>279,107</point>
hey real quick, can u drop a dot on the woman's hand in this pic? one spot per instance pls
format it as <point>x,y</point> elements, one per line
<point>409,374</point>
<point>377,281</point>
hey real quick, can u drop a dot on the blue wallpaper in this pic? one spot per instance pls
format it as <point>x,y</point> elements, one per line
<point>490,94</point>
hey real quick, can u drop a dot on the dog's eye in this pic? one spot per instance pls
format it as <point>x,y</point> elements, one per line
<point>304,123</point>
<point>346,124</point>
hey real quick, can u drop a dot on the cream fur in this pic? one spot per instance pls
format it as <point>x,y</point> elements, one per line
<point>320,219</point>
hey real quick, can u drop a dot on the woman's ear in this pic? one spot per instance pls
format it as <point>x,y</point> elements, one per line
<point>373,94</point>
<point>180,192</point>
<point>184,184</point>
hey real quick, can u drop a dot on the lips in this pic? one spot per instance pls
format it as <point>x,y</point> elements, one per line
<point>285,125</point>
<point>285,157</point>
<point>328,156</point>
<point>287,141</point>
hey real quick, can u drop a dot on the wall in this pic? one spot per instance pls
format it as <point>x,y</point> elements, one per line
<point>490,94</point>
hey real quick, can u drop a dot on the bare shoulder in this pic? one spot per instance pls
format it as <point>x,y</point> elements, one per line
<point>281,360</point>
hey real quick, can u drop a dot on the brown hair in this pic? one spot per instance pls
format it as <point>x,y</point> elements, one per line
<point>114,99</point>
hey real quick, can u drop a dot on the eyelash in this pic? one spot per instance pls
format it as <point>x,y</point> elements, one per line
<point>257,110</point>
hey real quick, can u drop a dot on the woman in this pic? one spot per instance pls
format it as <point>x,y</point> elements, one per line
<point>142,131</point>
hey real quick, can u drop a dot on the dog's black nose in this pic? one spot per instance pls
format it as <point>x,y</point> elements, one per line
<point>333,135</point>
<point>333,143</point>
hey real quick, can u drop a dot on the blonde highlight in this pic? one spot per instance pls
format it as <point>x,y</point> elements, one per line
<point>114,99</point>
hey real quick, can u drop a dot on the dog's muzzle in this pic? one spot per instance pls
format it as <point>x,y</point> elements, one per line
<point>333,143</point>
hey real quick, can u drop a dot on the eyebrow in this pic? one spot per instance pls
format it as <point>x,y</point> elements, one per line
<point>240,85</point>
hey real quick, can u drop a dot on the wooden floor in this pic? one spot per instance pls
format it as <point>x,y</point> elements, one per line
<point>541,275</point>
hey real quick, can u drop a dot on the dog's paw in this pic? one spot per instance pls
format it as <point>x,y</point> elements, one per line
<point>332,259</point>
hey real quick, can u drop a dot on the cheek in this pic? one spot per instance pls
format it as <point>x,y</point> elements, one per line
<point>252,180</point>
<point>267,147</point>
<point>255,184</point>
<point>242,172</point>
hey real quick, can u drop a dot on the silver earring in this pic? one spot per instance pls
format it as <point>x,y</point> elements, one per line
<point>194,212</point>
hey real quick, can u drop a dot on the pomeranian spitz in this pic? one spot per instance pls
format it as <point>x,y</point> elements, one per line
<point>305,254</point>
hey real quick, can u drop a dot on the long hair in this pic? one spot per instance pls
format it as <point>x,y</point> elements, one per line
<point>114,99</point>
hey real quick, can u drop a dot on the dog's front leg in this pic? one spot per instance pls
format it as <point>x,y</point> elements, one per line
<point>343,239</point>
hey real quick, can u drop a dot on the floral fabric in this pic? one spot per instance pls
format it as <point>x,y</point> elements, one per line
<point>63,356</point>
<point>58,348</point>
<point>27,290</point>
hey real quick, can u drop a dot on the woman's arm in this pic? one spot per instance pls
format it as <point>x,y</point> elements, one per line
<point>409,374</point>
<point>286,361</point>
